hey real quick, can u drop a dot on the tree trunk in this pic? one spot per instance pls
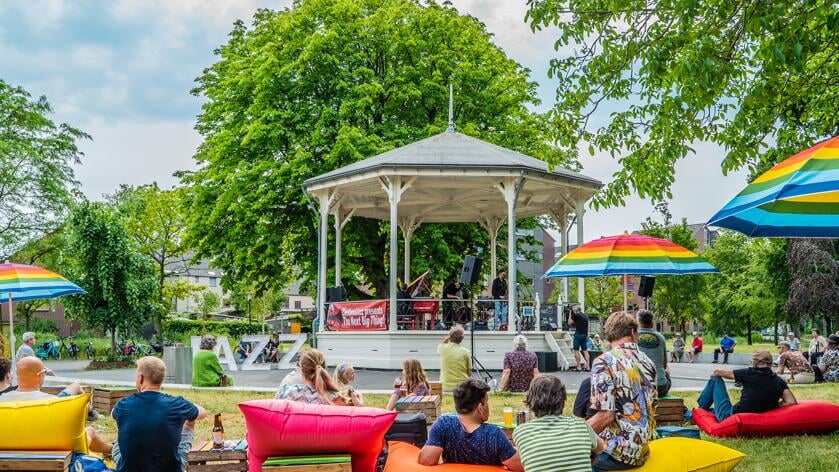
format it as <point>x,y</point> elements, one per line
<point>775,327</point>
<point>749,329</point>
<point>113,339</point>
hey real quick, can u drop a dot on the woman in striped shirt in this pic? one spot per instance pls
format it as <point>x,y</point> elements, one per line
<point>553,442</point>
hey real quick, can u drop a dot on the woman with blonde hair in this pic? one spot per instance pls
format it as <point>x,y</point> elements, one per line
<point>344,376</point>
<point>317,386</point>
<point>413,379</point>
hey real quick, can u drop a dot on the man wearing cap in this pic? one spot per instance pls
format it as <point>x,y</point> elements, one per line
<point>763,389</point>
<point>829,362</point>
<point>25,349</point>
<point>678,348</point>
<point>695,347</point>
<point>727,344</point>
<point>794,343</point>
<point>799,369</point>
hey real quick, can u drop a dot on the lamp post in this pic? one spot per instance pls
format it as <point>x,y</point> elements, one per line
<point>250,319</point>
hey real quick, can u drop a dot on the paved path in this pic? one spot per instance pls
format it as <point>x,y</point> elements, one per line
<point>685,376</point>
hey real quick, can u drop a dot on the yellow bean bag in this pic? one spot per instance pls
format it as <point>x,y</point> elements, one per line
<point>55,424</point>
<point>689,455</point>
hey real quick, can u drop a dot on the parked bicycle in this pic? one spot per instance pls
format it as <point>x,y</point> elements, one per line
<point>68,351</point>
<point>49,350</point>
<point>89,350</point>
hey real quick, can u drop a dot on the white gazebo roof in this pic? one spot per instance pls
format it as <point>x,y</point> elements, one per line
<point>452,177</point>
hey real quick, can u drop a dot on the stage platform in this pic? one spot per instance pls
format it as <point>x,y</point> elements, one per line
<point>387,349</point>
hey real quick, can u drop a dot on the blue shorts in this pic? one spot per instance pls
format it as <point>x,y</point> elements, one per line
<point>579,342</point>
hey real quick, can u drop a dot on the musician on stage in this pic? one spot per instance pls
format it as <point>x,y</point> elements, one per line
<point>452,291</point>
<point>499,293</point>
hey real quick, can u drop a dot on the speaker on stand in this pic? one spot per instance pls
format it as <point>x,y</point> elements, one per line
<point>645,289</point>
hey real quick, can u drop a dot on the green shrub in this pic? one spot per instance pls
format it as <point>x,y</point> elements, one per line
<point>37,325</point>
<point>181,330</point>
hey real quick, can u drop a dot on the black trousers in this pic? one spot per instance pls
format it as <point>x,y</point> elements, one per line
<point>725,353</point>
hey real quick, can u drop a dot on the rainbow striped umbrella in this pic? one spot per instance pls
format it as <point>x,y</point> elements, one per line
<point>21,282</point>
<point>797,198</point>
<point>629,254</point>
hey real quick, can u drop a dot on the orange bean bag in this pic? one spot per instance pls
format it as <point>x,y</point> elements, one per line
<point>402,457</point>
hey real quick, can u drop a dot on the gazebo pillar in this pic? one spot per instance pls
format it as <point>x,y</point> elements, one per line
<point>395,187</point>
<point>491,224</point>
<point>325,200</point>
<point>341,220</point>
<point>510,189</point>
<point>408,226</point>
<point>560,217</point>
<point>581,284</point>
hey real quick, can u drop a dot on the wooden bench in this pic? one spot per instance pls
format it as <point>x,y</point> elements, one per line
<point>334,463</point>
<point>35,460</point>
<point>203,458</point>
<point>670,411</point>
<point>429,404</point>
<point>106,398</point>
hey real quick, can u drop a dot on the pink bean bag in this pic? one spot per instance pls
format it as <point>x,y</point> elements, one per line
<point>807,417</point>
<point>286,428</point>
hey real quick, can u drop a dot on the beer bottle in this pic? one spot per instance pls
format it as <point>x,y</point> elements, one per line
<point>218,433</point>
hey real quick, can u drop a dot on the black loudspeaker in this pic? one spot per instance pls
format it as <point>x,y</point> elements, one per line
<point>645,288</point>
<point>547,361</point>
<point>335,294</point>
<point>471,272</point>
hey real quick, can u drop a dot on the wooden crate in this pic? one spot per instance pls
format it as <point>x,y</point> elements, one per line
<point>203,459</point>
<point>56,389</point>
<point>35,460</point>
<point>670,411</point>
<point>429,404</point>
<point>106,398</point>
<point>334,463</point>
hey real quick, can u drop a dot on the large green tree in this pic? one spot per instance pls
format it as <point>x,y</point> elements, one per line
<point>47,252</point>
<point>759,78</point>
<point>326,83</point>
<point>37,155</point>
<point>119,282</point>
<point>679,298</point>
<point>603,294</point>
<point>814,285</point>
<point>154,219</point>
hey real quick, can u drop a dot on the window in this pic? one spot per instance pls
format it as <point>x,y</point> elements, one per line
<point>298,304</point>
<point>195,279</point>
<point>213,282</point>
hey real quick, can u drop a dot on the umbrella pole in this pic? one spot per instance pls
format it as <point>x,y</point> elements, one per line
<point>12,335</point>
<point>625,301</point>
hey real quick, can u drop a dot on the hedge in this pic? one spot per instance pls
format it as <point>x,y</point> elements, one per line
<point>181,329</point>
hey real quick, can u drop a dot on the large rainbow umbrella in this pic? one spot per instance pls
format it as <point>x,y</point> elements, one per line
<point>19,282</point>
<point>797,198</point>
<point>629,254</point>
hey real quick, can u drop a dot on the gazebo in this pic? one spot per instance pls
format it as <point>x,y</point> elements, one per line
<point>447,178</point>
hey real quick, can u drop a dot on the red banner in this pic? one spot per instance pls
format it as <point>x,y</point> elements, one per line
<point>358,316</point>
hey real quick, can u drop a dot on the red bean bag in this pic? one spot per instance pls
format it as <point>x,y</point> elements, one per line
<point>402,457</point>
<point>807,417</point>
<point>286,428</point>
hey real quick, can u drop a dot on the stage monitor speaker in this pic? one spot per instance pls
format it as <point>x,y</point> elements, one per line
<point>335,294</point>
<point>471,272</point>
<point>547,361</point>
<point>645,288</point>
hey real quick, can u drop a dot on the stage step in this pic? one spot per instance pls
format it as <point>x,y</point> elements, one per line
<point>560,342</point>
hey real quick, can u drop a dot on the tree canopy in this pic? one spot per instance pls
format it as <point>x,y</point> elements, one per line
<point>326,83</point>
<point>757,78</point>
<point>37,183</point>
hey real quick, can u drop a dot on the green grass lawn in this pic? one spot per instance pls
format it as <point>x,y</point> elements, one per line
<point>785,454</point>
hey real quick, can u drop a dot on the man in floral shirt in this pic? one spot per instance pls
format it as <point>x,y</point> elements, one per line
<point>624,394</point>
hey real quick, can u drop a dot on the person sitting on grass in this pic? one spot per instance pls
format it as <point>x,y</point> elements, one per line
<point>206,368</point>
<point>763,390</point>
<point>623,392</point>
<point>155,430</point>
<point>5,376</point>
<point>829,362</point>
<point>727,344</point>
<point>551,441</point>
<point>794,343</point>
<point>520,366</point>
<point>466,438</point>
<point>816,348</point>
<point>413,379</point>
<point>344,377</point>
<point>678,348</point>
<point>800,371</point>
<point>455,360</point>
<point>318,387</point>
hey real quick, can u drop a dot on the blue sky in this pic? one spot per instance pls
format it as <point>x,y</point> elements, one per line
<point>122,71</point>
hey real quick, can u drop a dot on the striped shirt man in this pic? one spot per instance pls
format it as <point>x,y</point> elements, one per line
<point>555,444</point>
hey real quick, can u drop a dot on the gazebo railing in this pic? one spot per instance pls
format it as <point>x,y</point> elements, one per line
<point>427,314</point>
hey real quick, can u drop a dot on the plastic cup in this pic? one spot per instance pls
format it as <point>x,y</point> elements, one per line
<point>508,417</point>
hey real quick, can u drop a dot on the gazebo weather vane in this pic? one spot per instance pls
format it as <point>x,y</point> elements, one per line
<point>450,129</point>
